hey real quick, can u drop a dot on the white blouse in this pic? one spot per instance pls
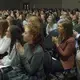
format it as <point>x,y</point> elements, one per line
<point>51,28</point>
<point>4,44</point>
<point>8,60</point>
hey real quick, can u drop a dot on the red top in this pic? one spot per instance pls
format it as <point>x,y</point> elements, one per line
<point>66,50</point>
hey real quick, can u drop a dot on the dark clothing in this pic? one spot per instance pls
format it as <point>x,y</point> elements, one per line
<point>44,28</point>
<point>56,66</point>
<point>33,59</point>
<point>48,44</point>
<point>32,62</point>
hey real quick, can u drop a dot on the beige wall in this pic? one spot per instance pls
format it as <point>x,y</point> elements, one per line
<point>9,4</point>
<point>12,4</point>
<point>71,4</point>
<point>45,3</point>
<point>1,4</point>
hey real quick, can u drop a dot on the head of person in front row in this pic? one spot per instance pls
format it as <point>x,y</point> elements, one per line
<point>33,51</point>
<point>14,32</point>
<point>32,34</point>
<point>36,21</point>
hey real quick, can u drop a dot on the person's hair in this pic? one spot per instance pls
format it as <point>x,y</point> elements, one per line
<point>34,20</point>
<point>53,18</point>
<point>35,30</point>
<point>4,17</point>
<point>68,17</point>
<point>16,35</point>
<point>19,24</point>
<point>12,21</point>
<point>3,27</point>
<point>67,25</point>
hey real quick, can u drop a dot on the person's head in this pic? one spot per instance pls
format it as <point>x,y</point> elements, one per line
<point>62,17</point>
<point>21,17</point>
<point>33,29</point>
<point>65,27</point>
<point>15,34</point>
<point>34,20</point>
<point>34,13</point>
<point>19,24</point>
<point>42,16</point>
<point>37,14</point>
<point>51,19</point>
<point>3,27</point>
<point>10,20</point>
<point>4,17</point>
<point>68,17</point>
<point>32,34</point>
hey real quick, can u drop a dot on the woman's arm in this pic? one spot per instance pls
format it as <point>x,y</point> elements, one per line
<point>35,63</point>
<point>68,49</point>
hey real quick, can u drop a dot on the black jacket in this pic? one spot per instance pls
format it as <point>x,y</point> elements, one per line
<point>32,65</point>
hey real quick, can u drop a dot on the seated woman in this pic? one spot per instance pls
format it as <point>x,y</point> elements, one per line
<point>65,44</point>
<point>31,55</point>
<point>14,34</point>
<point>4,41</point>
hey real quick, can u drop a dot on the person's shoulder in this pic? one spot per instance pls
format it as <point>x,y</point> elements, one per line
<point>39,49</point>
<point>6,39</point>
<point>71,39</point>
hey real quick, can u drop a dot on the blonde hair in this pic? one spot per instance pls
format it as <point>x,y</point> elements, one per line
<point>34,28</point>
<point>35,21</point>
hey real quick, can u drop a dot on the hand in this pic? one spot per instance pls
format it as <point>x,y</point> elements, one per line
<point>55,40</point>
<point>20,48</point>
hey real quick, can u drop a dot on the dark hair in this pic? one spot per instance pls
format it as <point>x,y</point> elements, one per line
<point>3,26</point>
<point>79,42</point>
<point>67,25</point>
<point>12,21</point>
<point>16,35</point>
<point>19,24</point>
